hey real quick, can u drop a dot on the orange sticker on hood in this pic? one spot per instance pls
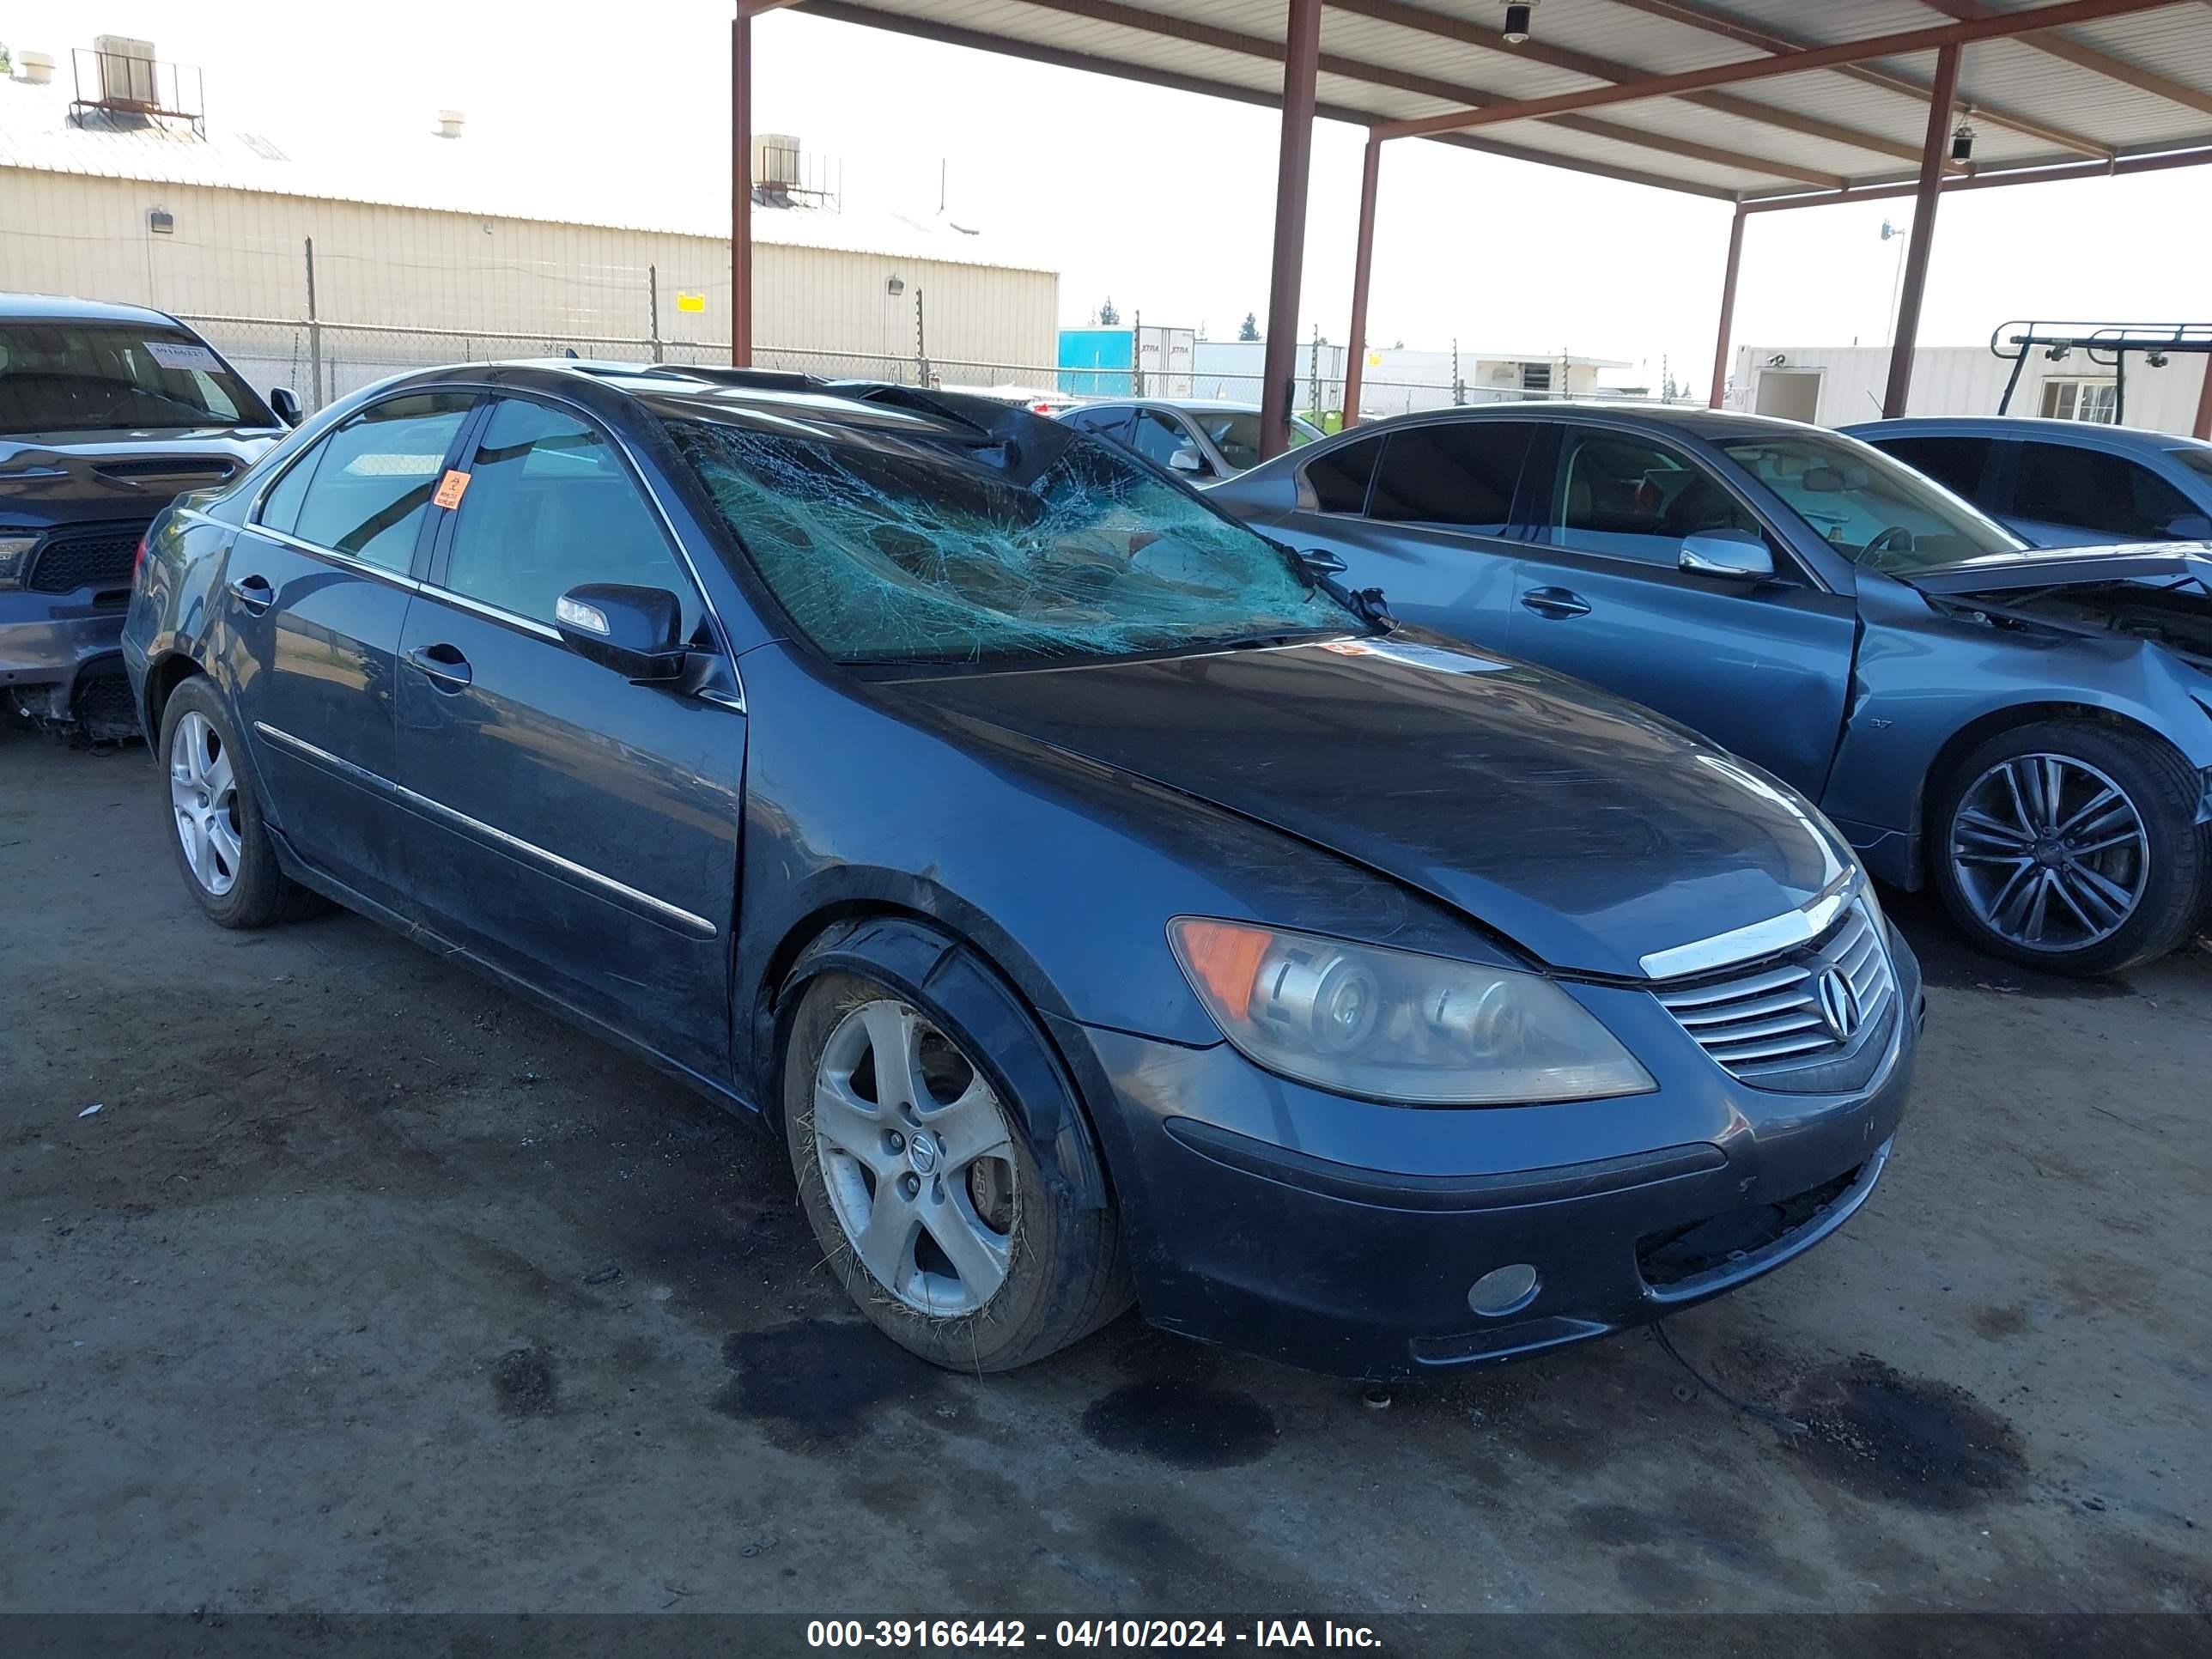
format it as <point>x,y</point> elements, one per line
<point>451,488</point>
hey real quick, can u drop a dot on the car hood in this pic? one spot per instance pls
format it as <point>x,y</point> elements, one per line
<point>1581,828</point>
<point>55,477</point>
<point>2061,567</point>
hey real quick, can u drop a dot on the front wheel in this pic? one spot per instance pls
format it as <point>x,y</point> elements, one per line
<point>2073,847</point>
<point>919,1181</point>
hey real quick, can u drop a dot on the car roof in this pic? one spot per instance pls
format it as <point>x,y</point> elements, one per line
<point>2087,434</point>
<point>1693,418</point>
<point>62,307</point>
<point>767,399</point>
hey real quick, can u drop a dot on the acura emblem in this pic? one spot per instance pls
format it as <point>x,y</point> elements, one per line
<point>1839,1003</point>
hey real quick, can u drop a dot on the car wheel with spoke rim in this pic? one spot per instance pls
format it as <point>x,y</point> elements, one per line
<point>215,820</point>
<point>916,1177</point>
<point>2072,846</point>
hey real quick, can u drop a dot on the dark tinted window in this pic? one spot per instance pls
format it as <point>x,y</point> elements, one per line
<point>1957,464</point>
<point>375,475</point>
<point>551,507</point>
<point>2088,489</point>
<point>1337,481</point>
<point>1620,495</point>
<point>1460,473</point>
<point>65,376</point>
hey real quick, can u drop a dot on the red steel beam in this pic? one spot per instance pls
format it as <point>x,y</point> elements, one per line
<point>1998,26</point>
<point>1301,63</point>
<point>2054,45</point>
<point>1363,263</point>
<point>1727,311</point>
<point>1907,330</point>
<point>1766,40</point>
<point>2198,154</point>
<point>741,190</point>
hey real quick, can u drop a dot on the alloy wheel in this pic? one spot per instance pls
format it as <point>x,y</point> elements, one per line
<point>204,795</point>
<point>917,1159</point>
<point>2050,852</point>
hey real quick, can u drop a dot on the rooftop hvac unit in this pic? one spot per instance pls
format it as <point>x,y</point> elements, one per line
<point>126,72</point>
<point>775,160</point>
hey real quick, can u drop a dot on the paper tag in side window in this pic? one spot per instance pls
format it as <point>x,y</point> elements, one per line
<point>176,354</point>
<point>450,488</point>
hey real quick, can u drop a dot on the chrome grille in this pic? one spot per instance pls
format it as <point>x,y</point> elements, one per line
<point>1770,1017</point>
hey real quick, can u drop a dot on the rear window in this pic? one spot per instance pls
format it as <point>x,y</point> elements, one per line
<point>1337,479</point>
<point>1957,464</point>
<point>1460,474</point>
<point>100,377</point>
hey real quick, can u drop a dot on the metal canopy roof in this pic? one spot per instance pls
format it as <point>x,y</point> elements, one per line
<point>2117,81</point>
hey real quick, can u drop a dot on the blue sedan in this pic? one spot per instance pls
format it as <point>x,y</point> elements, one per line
<point>2031,732</point>
<point>1093,900</point>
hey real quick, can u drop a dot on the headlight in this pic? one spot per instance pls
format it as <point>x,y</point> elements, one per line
<point>14,549</point>
<point>1359,1019</point>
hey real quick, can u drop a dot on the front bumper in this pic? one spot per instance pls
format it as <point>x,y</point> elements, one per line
<point>47,641</point>
<point>1346,1236</point>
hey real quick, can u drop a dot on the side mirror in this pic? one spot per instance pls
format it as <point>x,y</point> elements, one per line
<point>286,402</point>
<point>1188,459</point>
<point>1735,557</point>
<point>631,630</point>
<point>2188,527</point>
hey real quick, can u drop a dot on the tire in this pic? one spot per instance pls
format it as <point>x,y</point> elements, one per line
<point>2127,808</point>
<point>241,885</point>
<point>974,1180</point>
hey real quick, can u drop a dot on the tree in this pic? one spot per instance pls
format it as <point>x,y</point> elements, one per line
<point>1107,315</point>
<point>1249,328</point>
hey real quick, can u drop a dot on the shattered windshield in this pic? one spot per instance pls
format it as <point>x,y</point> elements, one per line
<point>891,547</point>
<point>81,377</point>
<point>1877,511</point>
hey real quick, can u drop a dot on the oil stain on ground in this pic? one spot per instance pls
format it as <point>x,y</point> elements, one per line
<point>820,1379</point>
<point>1904,1440</point>
<point>1192,1425</point>
<point>524,1383</point>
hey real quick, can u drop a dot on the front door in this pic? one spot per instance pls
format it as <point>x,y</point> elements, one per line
<point>1761,668</point>
<point>315,595</point>
<point>575,829</point>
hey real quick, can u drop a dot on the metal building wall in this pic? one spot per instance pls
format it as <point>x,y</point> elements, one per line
<point>1967,380</point>
<point>241,253</point>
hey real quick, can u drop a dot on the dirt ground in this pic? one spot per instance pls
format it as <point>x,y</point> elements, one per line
<point>370,1288</point>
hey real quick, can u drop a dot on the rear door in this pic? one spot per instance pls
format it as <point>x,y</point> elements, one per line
<point>1761,668</point>
<point>1426,515</point>
<point>315,596</point>
<point>576,830</point>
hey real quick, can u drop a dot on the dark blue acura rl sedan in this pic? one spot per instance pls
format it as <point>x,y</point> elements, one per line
<point>1100,903</point>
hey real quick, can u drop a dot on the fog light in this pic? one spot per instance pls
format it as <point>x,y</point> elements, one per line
<point>1503,1290</point>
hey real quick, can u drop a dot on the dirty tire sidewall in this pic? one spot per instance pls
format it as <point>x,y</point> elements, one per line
<point>1066,1276</point>
<point>2163,788</point>
<point>261,895</point>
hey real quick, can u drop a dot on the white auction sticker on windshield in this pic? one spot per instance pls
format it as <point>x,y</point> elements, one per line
<point>176,354</point>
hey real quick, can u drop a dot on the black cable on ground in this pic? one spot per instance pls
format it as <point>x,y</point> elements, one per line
<point>1781,1420</point>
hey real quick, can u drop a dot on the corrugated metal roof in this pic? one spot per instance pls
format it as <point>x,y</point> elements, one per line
<point>2116,87</point>
<point>470,175</point>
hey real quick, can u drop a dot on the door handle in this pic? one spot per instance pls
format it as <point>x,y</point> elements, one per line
<point>1555,602</point>
<point>444,666</point>
<point>253,594</point>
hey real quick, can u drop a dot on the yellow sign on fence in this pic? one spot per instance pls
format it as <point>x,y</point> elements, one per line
<point>689,301</point>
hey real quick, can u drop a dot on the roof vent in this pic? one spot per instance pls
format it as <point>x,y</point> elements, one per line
<point>449,123</point>
<point>35,67</point>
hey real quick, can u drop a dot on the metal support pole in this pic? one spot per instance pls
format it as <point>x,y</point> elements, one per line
<point>1301,63</point>
<point>1728,312</point>
<point>653,306</point>
<point>2201,427</point>
<point>741,189</point>
<point>1362,262</point>
<point>314,333</point>
<point>1907,331</point>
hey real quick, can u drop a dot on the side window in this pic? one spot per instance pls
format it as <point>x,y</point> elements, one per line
<point>1110,423</point>
<point>1336,480</point>
<point>1959,464</point>
<point>2090,489</point>
<point>1160,437</point>
<point>548,506</point>
<point>375,477</point>
<point>1456,473</point>
<point>279,507</point>
<point>1626,497</point>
